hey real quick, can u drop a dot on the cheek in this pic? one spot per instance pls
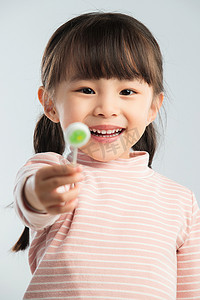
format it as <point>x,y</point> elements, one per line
<point>70,113</point>
<point>138,117</point>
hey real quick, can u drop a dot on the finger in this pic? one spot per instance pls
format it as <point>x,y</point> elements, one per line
<point>57,170</point>
<point>55,198</point>
<point>53,183</point>
<point>65,209</point>
<point>62,202</point>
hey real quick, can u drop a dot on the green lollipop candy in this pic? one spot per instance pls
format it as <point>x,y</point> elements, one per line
<point>77,135</point>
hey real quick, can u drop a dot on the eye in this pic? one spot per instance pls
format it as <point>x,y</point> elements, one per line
<point>127,92</point>
<point>86,91</point>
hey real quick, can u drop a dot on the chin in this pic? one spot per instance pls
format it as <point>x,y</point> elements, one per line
<point>104,155</point>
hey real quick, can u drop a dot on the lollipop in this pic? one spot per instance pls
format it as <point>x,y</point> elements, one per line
<point>76,135</point>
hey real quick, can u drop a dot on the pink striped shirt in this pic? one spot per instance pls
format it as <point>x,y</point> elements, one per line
<point>135,234</point>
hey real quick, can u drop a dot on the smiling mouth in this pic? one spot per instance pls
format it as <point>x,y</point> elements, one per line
<point>106,135</point>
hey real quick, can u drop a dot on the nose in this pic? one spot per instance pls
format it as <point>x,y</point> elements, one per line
<point>106,106</point>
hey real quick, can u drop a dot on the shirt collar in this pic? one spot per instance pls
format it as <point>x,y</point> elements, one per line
<point>135,166</point>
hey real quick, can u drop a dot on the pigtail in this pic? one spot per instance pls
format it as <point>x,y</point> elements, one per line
<point>48,137</point>
<point>148,142</point>
<point>23,241</point>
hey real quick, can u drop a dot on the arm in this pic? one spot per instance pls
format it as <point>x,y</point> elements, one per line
<point>37,205</point>
<point>188,259</point>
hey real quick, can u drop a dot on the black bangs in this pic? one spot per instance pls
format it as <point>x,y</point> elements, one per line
<point>105,49</point>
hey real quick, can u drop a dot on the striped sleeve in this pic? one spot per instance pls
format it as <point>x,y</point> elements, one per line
<point>31,219</point>
<point>188,258</point>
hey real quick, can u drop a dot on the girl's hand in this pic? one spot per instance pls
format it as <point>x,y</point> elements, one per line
<point>47,182</point>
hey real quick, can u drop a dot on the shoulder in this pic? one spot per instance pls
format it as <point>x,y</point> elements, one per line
<point>179,197</point>
<point>171,186</point>
<point>38,161</point>
<point>50,158</point>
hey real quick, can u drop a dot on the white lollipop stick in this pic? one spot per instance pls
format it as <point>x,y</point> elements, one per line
<point>76,135</point>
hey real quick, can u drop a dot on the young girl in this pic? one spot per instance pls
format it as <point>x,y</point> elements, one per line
<point>124,231</point>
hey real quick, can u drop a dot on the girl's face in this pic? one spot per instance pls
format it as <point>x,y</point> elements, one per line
<point>124,104</point>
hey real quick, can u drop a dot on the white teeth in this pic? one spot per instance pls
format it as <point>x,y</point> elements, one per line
<point>110,131</point>
<point>106,131</point>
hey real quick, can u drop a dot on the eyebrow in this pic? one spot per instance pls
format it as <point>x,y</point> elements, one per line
<point>79,77</point>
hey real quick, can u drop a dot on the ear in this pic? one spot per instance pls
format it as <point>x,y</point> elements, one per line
<point>48,105</point>
<point>155,107</point>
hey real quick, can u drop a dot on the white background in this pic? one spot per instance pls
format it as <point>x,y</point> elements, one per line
<point>25,27</point>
